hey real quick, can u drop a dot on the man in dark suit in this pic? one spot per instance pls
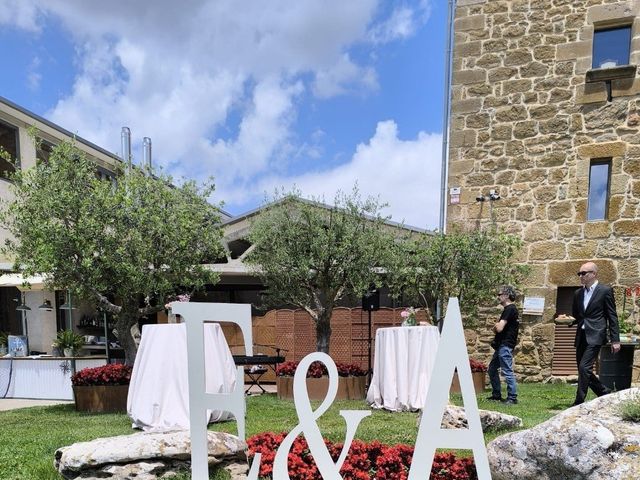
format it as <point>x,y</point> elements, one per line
<point>594,311</point>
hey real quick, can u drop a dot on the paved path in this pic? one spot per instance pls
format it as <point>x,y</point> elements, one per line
<point>13,403</point>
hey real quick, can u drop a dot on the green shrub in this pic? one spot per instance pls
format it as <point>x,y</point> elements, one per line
<point>630,409</point>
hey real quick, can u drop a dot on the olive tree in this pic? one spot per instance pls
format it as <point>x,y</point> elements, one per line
<point>126,245</point>
<point>311,255</point>
<point>468,265</point>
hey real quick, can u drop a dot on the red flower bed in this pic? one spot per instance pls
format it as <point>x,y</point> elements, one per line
<point>365,461</point>
<point>112,374</point>
<point>477,366</point>
<point>318,369</point>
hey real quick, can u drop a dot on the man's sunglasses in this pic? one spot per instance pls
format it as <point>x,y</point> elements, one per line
<point>581,274</point>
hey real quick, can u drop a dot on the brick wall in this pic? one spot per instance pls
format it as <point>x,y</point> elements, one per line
<point>294,332</point>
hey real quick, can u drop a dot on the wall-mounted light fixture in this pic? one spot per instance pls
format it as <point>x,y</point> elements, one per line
<point>46,306</point>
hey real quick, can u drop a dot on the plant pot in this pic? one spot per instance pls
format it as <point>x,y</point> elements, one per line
<point>101,398</point>
<point>349,388</point>
<point>478,378</point>
<point>616,369</point>
<point>68,352</point>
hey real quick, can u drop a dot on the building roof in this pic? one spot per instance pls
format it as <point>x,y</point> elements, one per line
<point>258,210</point>
<point>58,128</point>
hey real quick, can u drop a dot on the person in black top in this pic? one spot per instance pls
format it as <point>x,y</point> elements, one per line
<point>506,330</point>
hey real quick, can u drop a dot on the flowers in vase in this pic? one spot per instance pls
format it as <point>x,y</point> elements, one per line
<point>409,317</point>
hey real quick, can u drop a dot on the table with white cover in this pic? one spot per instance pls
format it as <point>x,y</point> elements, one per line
<point>402,369</point>
<point>159,390</point>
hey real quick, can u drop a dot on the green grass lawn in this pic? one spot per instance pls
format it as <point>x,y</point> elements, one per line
<point>30,436</point>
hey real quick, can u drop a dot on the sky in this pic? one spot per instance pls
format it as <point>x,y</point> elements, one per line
<point>316,95</point>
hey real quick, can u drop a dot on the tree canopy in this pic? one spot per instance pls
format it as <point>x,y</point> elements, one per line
<point>468,265</point>
<point>311,255</point>
<point>129,245</point>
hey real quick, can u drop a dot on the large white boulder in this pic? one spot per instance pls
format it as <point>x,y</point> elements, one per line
<point>144,455</point>
<point>590,441</point>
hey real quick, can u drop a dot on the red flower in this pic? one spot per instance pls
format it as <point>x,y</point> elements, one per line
<point>477,366</point>
<point>365,461</point>
<point>112,374</point>
<point>318,369</point>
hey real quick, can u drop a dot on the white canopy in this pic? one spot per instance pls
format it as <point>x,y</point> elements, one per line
<point>18,280</point>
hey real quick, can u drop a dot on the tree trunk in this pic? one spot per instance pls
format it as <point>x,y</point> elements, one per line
<point>125,320</point>
<point>323,331</point>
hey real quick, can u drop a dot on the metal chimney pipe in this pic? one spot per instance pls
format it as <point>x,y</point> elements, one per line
<point>126,147</point>
<point>146,144</point>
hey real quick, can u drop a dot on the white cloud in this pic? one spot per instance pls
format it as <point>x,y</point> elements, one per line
<point>179,71</point>
<point>20,13</point>
<point>403,173</point>
<point>402,23</point>
<point>344,76</point>
<point>33,76</point>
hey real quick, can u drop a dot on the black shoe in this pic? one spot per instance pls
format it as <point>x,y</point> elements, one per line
<point>510,401</point>
<point>495,399</point>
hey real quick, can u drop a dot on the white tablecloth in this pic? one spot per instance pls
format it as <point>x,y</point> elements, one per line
<point>159,389</point>
<point>402,369</point>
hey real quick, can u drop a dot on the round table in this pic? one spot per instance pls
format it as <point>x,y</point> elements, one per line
<point>404,358</point>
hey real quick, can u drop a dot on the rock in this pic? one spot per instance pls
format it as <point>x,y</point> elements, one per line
<point>146,455</point>
<point>455,417</point>
<point>587,442</point>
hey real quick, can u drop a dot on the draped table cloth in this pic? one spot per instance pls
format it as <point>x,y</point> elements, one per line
<point>158,397</point>
<point>402,368</point>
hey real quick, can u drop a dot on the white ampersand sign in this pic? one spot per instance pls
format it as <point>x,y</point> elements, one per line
<point>307,423</point>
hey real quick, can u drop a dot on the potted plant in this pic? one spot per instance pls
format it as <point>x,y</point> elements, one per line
<point>351,381</point>
<point>68,342</point>
<point>3,343</point>
<point>102,389</point>
<point>478,374</point>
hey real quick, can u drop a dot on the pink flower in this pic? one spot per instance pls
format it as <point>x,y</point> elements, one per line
<point>404,314</point>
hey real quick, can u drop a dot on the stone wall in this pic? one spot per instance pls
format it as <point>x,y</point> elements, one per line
<point>526,123</point>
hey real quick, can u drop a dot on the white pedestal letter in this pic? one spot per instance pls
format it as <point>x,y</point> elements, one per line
<point>195,315</point>
<point>452,354</point>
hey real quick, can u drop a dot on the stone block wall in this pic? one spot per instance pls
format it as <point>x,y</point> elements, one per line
<point>526,122</point>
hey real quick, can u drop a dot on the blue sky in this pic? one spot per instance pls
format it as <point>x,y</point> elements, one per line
<point>258,94</point>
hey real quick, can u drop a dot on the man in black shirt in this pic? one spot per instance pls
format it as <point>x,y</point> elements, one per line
<point>506,330</point>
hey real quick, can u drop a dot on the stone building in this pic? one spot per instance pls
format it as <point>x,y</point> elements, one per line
<point>545,113</point>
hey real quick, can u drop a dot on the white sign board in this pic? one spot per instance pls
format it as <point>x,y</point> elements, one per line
<point>533,305</point>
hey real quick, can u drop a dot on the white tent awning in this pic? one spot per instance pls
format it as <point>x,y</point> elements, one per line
<point>17,280</point>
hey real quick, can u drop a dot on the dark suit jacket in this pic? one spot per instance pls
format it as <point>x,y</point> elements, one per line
<point>599,316</point>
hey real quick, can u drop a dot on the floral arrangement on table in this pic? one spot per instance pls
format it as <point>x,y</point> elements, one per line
<point>477,366</point>
<point>111,374</point>
<point>409,317</point>
<point>365,461</point>
<point>318,369</point>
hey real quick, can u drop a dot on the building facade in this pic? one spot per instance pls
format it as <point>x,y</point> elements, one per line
<point>16,127</point>
<point>545,114</point>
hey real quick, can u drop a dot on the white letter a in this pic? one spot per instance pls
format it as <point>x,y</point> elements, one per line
<point>452,354</point>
